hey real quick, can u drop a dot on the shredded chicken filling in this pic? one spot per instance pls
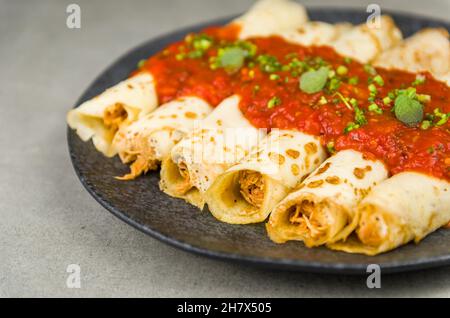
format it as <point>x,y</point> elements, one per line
<point>114,115</point>
<point>144,159</point>
<point>306,216</point>
<point>252,187</point>
<point>185,184</point>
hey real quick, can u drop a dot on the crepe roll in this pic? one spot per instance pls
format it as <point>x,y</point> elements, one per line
<point>220,141</point>
<point>267,17</point>
<point>315,33</point>
<point>247,192</point>
<point>322,210</point>
<point>445,78</point>
<point>427,50</point>
<point>101,117</point>
<point>365,42</point>
<point>406,207</point>
<point>148,140</point>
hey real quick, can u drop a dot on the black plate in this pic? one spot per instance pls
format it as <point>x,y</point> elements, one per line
<point>142,205</point>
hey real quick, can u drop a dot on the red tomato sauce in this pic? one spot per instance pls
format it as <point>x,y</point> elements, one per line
<point>400,147</point>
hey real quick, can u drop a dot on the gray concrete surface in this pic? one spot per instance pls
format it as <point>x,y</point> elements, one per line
<point>49,221</point>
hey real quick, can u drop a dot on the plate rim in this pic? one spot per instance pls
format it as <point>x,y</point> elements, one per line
<point>267,262</point>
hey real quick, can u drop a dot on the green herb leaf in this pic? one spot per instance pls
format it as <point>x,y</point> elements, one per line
<point>408,110</point>
<point>330,147</point>
<point>342,70</point>
<point>231,58</point>
<point>314,81</point>
<point>425,125</point>
<point>274,101</point>
<point>141,63</point>
<point>353,80</point>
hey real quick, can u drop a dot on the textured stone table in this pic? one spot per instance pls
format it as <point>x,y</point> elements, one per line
<point>49,221</point>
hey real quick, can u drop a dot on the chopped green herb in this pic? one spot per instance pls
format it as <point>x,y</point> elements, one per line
<point>375,108</point>
<point>330,147</point>
<point>201,42</point>
<point>430,150</point>
<point>443,119</point>
<point>274,101</point>
<point>342,70</point>
<point>359,116</point>
<point>378,80</point>
<point>387,100</point>
<point>314,81</point>
<point>372,89</point>
<point>334,84</point>
<point>423,98</point>
<point>353,80</point>
<point>347,60</point>
<point>344,100</point>
<point>274,77</point>
<point>323,100</point>
<point>196,54</point>
<point>350,126</point>
<point>370,69</point>
<point>141,63</point>
<point>420,79</point>
<point>425,124</point>
<point>268,63</point>
<point>180,56</point>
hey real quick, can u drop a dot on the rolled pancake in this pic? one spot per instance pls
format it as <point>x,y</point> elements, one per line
<point>322,210</point>
<point>445,78</point>
<point>267,17</point>
<point>403,208</point>
<point>427,50</point>
<point>315,33</point>
<point>101,117</point>
<point>365,43</point>
<point>247,192</point>
<point>148,140</point>
<point>222,139</point>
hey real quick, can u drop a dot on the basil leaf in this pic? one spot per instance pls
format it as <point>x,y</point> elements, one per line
<point>408,110</point>
<point>314,81</point>
<point>231,58</point>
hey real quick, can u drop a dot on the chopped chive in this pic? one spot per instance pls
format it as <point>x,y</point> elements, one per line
<point>387,100</point>
<point>323,100</point>
<point>347,60</point>
<point>370,69</point>
<point>353,80</point>
<point>180,56</point>
<point>425,125</point>
<point>372,88</point>
<point>423,98</point>
<point>420,79</point>
<point>141,63</point>
<point>274,77</point>
<point>330,147</point>
<point>375,108</point>
<point>342,70</point>
<point>379,80</point>
<point>274,101</point>
<point>350,126</point>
